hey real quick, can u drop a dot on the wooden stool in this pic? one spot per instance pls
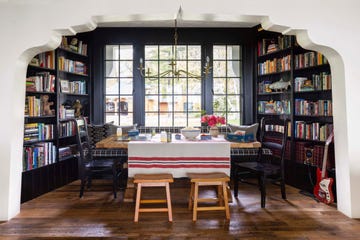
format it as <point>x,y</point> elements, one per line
<point>218,179</point>
<point>153,180</point>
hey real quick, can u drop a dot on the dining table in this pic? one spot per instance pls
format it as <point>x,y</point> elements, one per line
<point>179,156</point>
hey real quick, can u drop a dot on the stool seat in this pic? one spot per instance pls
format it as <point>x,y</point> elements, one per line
<point>153,180</point>
<point>205,177</point>
<point>164,177</point>
<point>218,179</point>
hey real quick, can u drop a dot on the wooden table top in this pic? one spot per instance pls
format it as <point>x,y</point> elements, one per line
<point>113,142</point>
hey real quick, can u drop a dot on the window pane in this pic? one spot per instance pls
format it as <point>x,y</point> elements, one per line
<point>195,67</point>
<point>165,103</point>
<point>112,69</point>
<point>151,68</point>
<point>194,86</point>
<point>151,86</point>
<point>180,85</point>
<point>219,68</point>
<point>112,86</point>
<point>219,52</point>
<point>126,103</point>
<point>126,52</point>
<point>219,104</point>
<point>151,119</point>
<point>219,85</point>
<point>194,119</point>
<point>233,52</point>
<point>233,86</point>
<point>180,119</point>
<point>166,119</point>
<point>126,120</point>
<point>181,52</point>
<point>166,86</point>
<point>151,103</point>
<point>233,118</point>
<point>194,103</point>
<point>165,66</point>
<point>151,52</point>
<point>180,103</point>
<point>233,103</point>
<point>166,52</point>
<point>194,52</point>
<point>233,69</point>
<point>112,52</point>
<point>111,117</point>
<point>111,103</point>
<point>126,69</point>
<point>126,86</point>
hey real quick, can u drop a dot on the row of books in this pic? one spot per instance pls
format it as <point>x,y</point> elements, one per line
<point>275,65</point>
<point>67,129</point>
<point>318,82</point>
<point>34,106</point>
<point>65,113</point>
<point>38,132</point>
<point>74,87</point>
<point>313,108</point>
<point>309,59</point>
<point>274,107</point>
<point>266,46</point>
<point>72,66</point>
<point>75,45</point>
<point>312,131</point>
<point>39,155</point>
<point>42,82</point>
<point>44,60</point>
<point>317,155</point>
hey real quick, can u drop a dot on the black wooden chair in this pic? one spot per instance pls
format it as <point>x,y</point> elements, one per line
<point>268,167</point>
<point>91,167</point>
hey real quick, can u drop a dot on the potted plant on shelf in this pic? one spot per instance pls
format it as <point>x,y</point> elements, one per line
<point>213,122</point>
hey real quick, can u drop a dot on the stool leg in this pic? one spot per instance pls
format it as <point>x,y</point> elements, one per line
<point>137,205</point>
<point>226,200</point>
<point>196,196</point>
<point>220,195</point>
<point>191,197</point>
<point>168,200</point>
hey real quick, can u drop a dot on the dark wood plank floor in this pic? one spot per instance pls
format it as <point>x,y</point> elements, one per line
<point>62,215</point>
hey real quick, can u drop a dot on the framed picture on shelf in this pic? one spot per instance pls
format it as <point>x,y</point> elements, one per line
<point>64,86</point>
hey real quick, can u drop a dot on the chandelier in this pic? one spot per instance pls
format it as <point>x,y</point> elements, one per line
<point>174,71</point>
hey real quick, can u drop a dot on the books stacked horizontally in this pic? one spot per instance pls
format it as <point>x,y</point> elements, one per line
<point>38,132</point>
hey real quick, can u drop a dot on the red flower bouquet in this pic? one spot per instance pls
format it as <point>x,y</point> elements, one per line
<point>213,120</point>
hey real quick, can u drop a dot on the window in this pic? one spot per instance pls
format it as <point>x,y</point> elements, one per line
<point>227,74</point>
<point>170,99</point>
<point>119,84</point>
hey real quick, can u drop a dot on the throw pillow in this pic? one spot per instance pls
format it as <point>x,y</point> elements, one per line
<point>249,129</point>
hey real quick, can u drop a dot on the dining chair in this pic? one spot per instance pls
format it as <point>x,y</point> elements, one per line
<point>91,167</point>
<point>267,167</point>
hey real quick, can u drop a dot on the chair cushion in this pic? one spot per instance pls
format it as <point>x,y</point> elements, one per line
<point>249,129</point>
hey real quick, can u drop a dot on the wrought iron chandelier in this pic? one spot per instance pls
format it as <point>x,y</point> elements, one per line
<point>174,71</point>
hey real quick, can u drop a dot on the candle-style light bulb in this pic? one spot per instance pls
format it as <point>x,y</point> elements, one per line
<point>141,61</point>
<point>207,59</point>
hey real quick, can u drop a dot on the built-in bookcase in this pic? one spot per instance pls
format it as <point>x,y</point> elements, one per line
<point>295,83</point>
<point>56,81</point>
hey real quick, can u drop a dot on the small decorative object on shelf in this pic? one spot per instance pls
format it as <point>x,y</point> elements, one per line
<point>46,111</point>
<point>213,122</point>
<point>77,107</point>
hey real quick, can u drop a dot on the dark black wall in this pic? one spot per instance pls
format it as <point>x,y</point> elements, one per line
<point>139,37</point>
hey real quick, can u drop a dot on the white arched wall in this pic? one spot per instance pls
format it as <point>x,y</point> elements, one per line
<point>29,28</point>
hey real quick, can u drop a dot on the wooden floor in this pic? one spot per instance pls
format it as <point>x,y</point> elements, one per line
<point>62,215</point>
